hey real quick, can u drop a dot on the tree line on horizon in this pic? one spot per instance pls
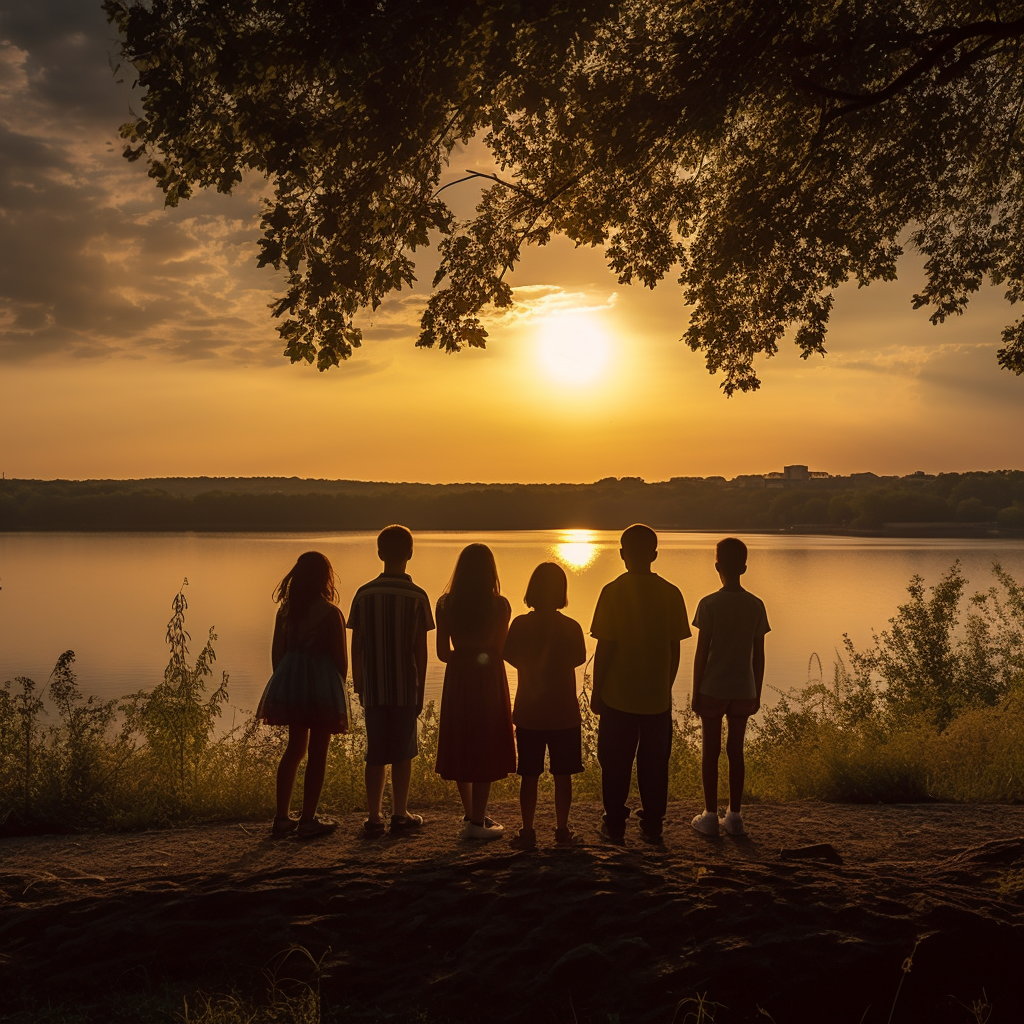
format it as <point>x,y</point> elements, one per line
<point>958,500</point>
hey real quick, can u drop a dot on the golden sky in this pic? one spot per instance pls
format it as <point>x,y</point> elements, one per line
<point>135,341</point>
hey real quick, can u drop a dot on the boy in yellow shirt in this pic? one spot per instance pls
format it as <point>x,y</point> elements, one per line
<point>639,622</point>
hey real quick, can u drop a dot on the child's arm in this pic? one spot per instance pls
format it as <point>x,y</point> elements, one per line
<point>602,662</point>
<point>339,650</point>
<point>758,660</point>
<point>280,642</point>
<point>420,656</point>
<point>578,651</point>
<point>357,661</point>
<point>443,640</point>
<point>700,662</point>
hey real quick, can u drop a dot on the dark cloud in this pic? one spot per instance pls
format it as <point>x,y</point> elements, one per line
<point>91,263</point>
<point>71,53</point>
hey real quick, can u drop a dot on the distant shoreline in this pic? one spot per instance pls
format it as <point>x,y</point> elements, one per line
<point>949,505</point>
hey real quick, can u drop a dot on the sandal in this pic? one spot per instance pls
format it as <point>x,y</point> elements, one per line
<point>314,829</point>
<point>283,826</point>
<point>565,837</point>
<point>525,839</point>
<point>406,822</point>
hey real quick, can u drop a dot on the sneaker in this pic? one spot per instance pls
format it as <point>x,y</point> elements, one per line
<point>489,822</point>
<point>613,835</point>
<point>405,822</point>
<point>485,831</point>
<point>373,827</point>
<point>706,824</point>
<point>283,827</point>
<point>733,823</point>
<point>649,836</point>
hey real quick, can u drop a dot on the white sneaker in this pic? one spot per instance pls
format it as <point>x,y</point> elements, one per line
<point>485,831</point>
<point>733,823</point>
<point>706,824</point>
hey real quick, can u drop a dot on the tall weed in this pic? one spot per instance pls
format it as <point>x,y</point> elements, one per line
<point>933,710</point>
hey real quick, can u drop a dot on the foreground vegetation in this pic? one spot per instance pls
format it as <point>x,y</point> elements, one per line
<point>933,711</point>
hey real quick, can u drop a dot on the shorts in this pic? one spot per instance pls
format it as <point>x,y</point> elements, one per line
<point>390,734</point>
<point>563,746</point>
<point>716,707</point>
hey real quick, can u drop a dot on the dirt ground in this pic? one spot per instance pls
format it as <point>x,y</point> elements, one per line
<point>432,928</point>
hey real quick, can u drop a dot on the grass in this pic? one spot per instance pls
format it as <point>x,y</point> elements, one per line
<point>933,711</point>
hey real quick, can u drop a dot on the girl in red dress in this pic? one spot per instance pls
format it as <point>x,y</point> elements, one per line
<point>474,745</point>
<point>307,690</point>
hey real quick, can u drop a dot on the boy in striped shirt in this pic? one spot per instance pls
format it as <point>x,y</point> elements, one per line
<point>390,619</point>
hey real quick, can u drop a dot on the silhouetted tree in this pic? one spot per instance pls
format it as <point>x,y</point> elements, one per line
<point>765,152</point>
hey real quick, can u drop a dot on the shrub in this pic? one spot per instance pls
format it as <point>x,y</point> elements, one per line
<point>933,710</point>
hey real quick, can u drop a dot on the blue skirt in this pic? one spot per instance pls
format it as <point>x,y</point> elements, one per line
<point>306,690</point>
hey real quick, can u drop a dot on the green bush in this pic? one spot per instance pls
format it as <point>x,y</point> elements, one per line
<point>933,710</point>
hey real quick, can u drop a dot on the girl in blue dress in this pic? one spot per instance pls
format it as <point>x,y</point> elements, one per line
<point>307,690</point>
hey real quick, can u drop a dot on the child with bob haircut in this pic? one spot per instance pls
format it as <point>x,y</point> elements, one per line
<point>390,619</point>
<point>728,672</point>
<point>545,647</point>
<point>307,690</point>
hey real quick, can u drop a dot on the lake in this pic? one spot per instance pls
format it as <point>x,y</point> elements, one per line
<point>107,595</point>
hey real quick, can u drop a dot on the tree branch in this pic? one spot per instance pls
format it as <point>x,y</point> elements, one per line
<point>989,31</point>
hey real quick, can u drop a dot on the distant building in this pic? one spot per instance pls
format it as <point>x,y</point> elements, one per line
<point>791,476</point>
<point>864,479</point>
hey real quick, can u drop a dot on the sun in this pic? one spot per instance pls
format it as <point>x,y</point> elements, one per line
<point>577,549</point>
<point>573,348</point>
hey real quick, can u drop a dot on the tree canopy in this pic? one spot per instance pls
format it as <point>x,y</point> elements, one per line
<point>761,153</point>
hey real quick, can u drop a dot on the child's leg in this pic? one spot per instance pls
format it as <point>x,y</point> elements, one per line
<point>375,776</point>
<point>563,800</point>
<point>289,767</point>
<point>711,749</point>
<point>478,802</point>
<point>401,779</point>
<point>528,799</point>
<point>466,793</point>
<point>734,748</point>
<point>316,768</point>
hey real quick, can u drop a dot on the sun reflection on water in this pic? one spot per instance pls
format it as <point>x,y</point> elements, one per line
<point>576,549</point>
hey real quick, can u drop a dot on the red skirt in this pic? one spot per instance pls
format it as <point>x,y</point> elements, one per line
<point>475,741</point>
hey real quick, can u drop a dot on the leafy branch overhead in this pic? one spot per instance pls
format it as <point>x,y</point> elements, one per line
<point>761,153</point>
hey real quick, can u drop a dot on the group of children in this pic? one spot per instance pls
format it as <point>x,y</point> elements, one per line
<point>639,624</point>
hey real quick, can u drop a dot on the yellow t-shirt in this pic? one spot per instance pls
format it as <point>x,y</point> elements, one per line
<point>644,615</point>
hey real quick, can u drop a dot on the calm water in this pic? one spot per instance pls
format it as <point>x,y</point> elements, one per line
<point>107,596</point>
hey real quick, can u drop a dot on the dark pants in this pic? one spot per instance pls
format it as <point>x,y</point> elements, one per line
<point>621,738</point>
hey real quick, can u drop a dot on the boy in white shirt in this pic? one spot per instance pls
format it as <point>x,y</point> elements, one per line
<point>728,672</point>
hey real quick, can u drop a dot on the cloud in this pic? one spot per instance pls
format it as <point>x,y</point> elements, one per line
<point>91,264</point>
<point>533,302</point>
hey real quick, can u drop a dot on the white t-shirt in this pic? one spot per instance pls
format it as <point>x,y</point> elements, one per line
<point>735,619</point>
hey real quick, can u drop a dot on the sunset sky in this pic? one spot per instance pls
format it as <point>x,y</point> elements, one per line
<point>136,341</point>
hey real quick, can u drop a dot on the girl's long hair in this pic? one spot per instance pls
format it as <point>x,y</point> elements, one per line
<point>471,597</point>
<point>310,577</point>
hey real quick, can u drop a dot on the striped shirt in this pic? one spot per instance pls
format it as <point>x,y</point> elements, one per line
<point>388,612</point>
